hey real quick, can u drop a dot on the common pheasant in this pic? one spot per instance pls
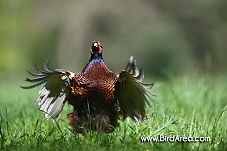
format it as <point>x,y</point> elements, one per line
<point>99,97</point>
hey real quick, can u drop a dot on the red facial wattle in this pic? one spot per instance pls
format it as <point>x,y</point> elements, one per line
<point>100,47</point>
<point>91,51</point>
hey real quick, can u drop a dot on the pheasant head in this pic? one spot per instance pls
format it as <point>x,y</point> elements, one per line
<point>96,50</point>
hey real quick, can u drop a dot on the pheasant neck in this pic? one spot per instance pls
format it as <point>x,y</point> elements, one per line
<point>96,58</point>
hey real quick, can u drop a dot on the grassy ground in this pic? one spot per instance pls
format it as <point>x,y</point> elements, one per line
<point>189,106</point>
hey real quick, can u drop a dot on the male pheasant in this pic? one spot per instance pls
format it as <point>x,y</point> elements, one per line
<point>99,97</point>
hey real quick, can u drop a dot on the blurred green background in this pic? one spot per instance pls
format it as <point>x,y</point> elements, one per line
<point>182,41</point>
<point>177,37</point>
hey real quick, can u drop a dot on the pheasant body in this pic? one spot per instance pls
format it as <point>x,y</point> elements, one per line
<point>99,97</point>
<point>95,103</point>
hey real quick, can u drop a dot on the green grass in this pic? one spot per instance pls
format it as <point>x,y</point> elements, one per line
<point>188,106</point>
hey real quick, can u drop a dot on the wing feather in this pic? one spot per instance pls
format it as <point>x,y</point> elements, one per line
<point>131,92</point>
<point>56,89</point>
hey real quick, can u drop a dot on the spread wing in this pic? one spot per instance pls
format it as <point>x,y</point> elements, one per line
<point>131,93</point>
<point>55,91</point>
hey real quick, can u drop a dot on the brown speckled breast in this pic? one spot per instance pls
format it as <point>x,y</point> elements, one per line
<point>96,77</point>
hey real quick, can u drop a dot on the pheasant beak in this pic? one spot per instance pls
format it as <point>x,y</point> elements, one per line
<point>100,47</point>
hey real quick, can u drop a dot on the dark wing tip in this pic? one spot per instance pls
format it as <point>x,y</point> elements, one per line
<point>23,87</point>
<point>46,66</point>
<point>146,85</point>
<point>39,77</point>
<point>34,85</point>
<point>36,68</point>
<point>27,87</point>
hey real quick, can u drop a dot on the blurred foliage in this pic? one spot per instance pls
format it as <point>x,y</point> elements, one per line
<point>176,36</point>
